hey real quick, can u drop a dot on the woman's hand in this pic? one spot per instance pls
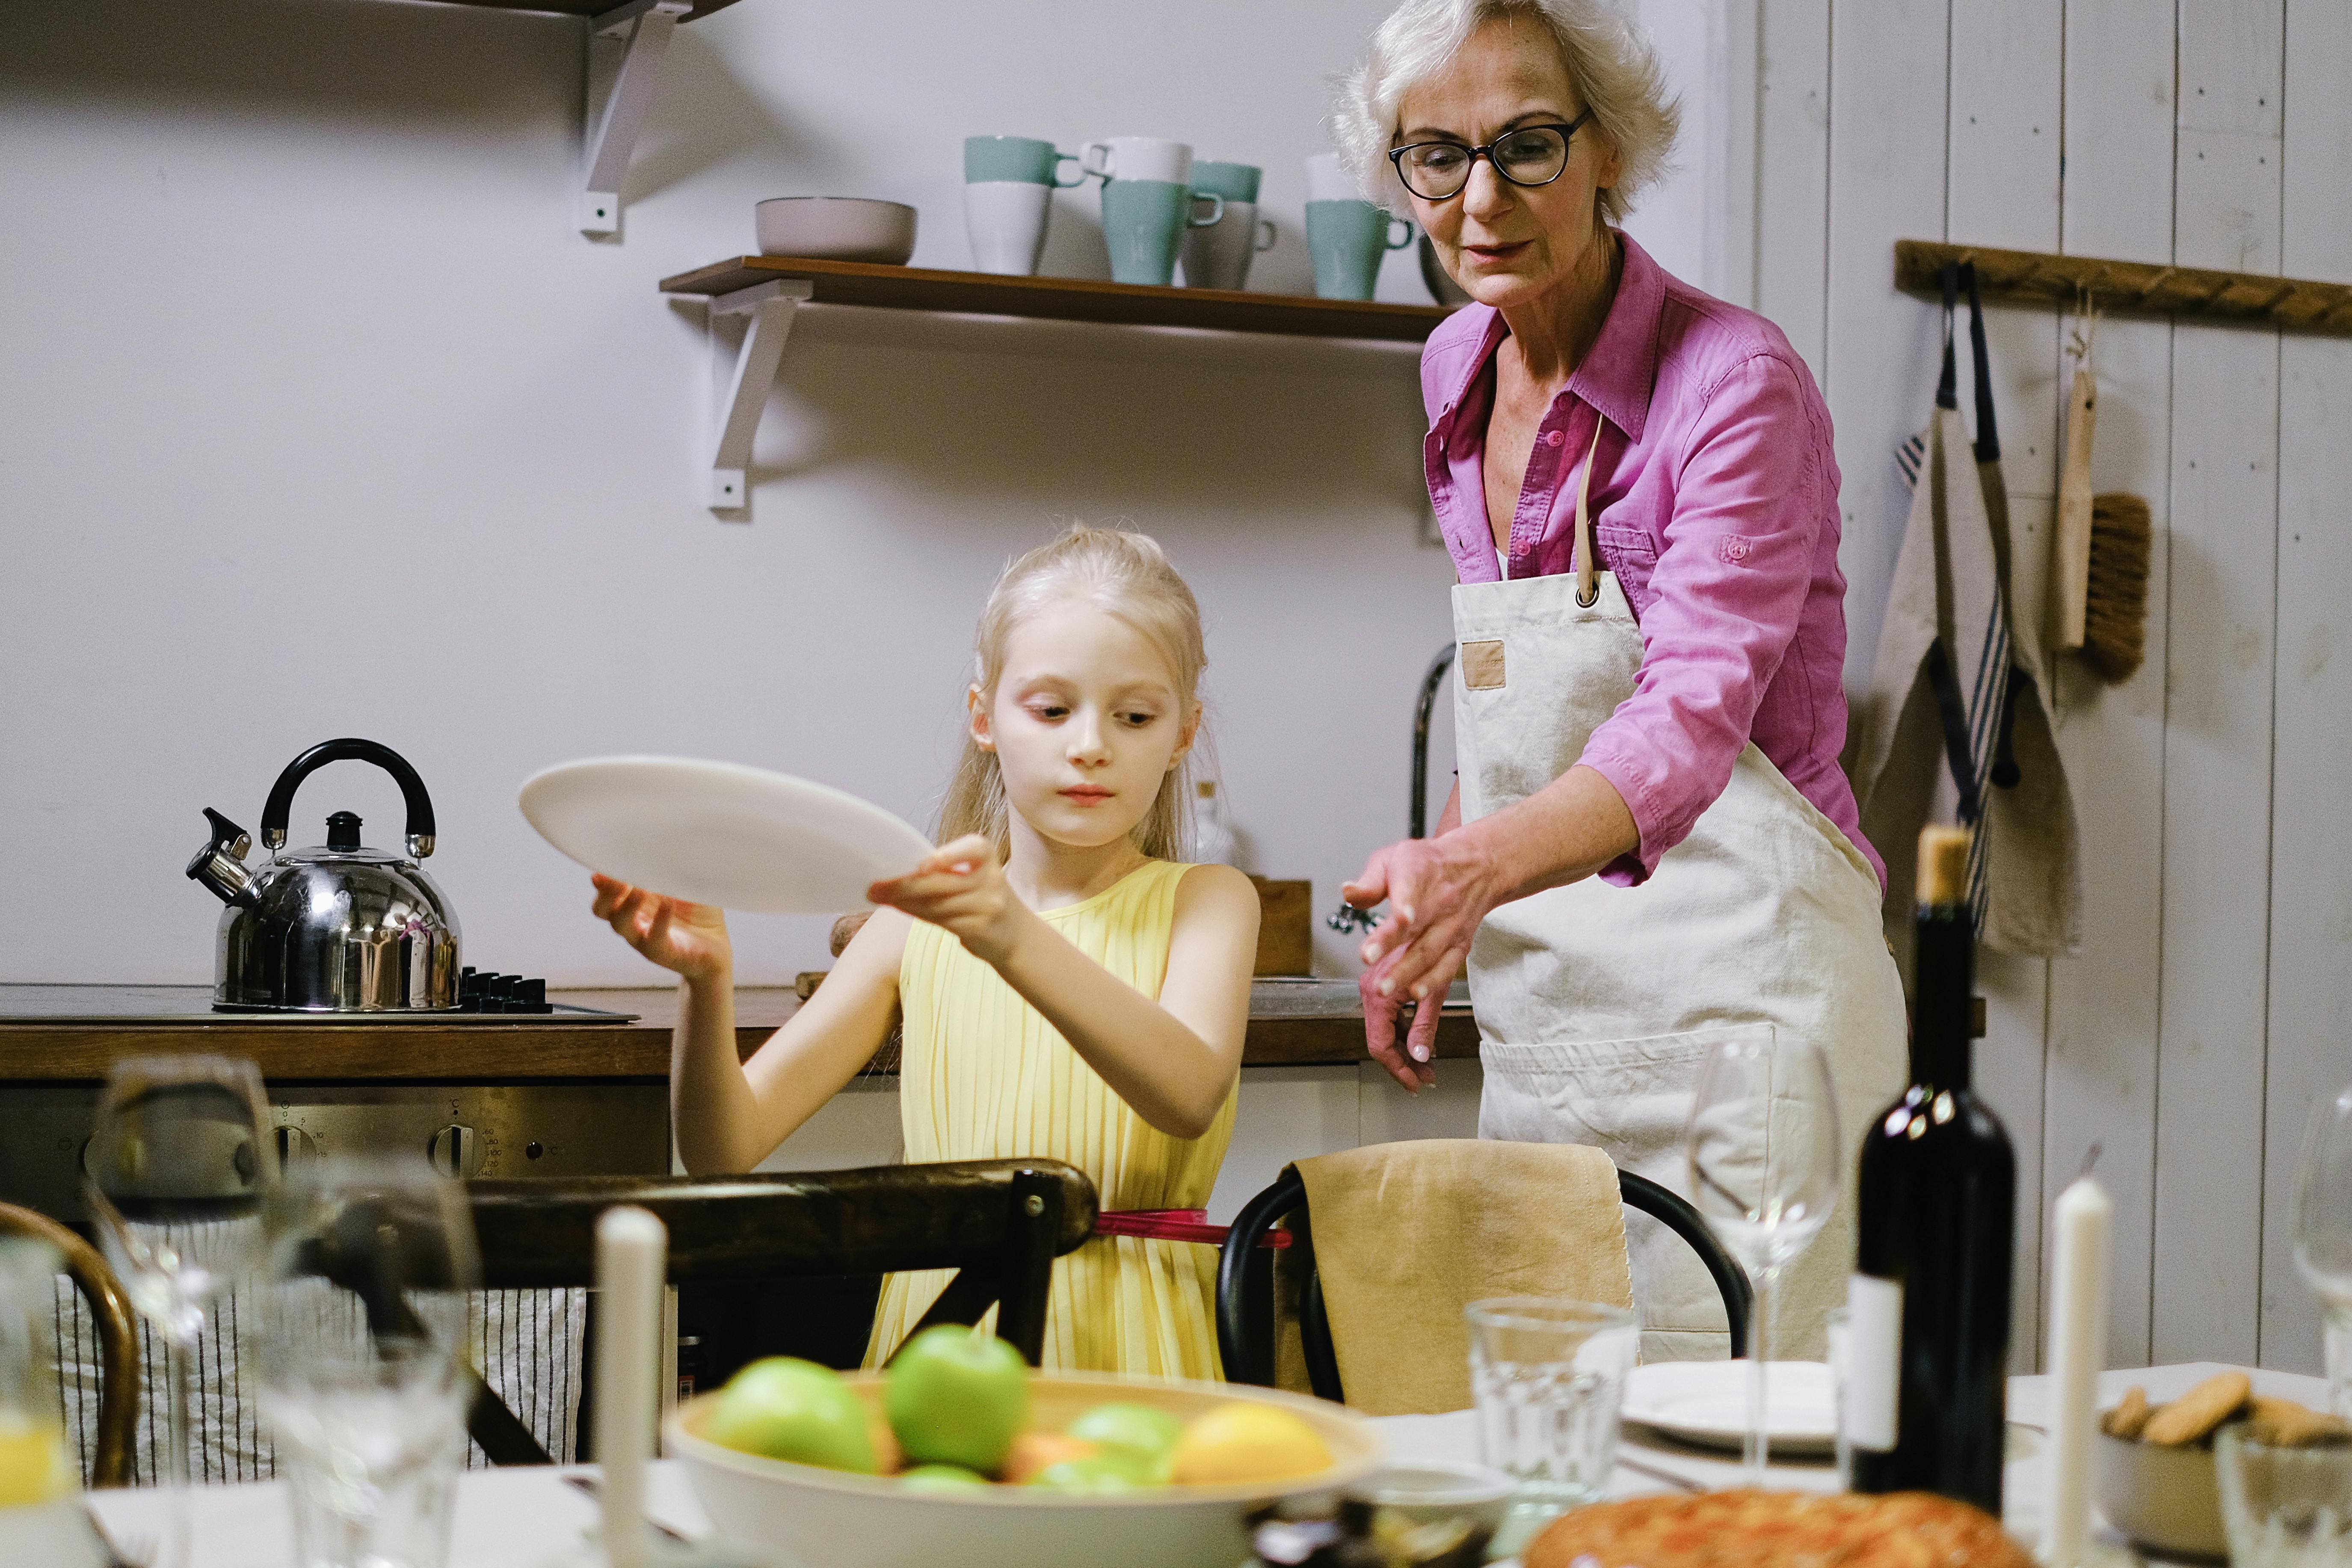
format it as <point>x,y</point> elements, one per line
<point>960,886</point>
<point>691,939</point>
<point>1438,890</point>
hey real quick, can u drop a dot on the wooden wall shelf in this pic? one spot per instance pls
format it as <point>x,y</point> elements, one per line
<point>770,288</point>
<point>1064,299</point>
<point>2132,287</point>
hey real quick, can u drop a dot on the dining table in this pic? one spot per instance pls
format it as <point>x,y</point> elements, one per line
<point>527,1516</point>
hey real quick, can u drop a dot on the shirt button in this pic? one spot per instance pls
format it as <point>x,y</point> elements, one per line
<point>1554,438</point>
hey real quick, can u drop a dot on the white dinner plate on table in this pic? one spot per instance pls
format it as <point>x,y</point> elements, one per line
<point>721,832</point>
<point>1706,1403</point>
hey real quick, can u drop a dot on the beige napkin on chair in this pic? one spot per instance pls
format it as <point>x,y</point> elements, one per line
<point>1406,1235</point>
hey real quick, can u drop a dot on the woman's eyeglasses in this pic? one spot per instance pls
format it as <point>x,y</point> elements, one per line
<point>1531,155</point>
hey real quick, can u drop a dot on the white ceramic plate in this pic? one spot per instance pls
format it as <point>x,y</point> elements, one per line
<point>1705,1402</point>
<point>720,832</point>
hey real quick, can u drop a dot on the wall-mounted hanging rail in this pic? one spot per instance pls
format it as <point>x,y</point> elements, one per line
<point>2132,287</point>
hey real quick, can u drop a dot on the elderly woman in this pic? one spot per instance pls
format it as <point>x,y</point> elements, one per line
<point>1649,851</point>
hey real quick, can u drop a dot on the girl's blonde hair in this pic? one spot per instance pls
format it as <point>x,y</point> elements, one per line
<point>1121,573</point>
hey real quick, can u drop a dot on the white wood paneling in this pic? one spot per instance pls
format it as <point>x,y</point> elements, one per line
<point>1448,1109</point>
<point>1792,173</point>
<point>2223,594</point>
<point>2116,201</point>
<point>1285,1114</point>
<point>2310,1053</point>
<point>2003,190</point>
<point>1889,71</point>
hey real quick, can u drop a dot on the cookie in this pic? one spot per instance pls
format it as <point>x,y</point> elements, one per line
<point>2127,1417</point>
<point>2195,1414</point>
<point>2284,1424</point>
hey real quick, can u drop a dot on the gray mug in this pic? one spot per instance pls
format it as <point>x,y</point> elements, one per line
<point>1218,256</point>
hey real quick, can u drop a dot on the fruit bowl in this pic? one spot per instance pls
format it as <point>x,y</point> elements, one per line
<point>833,1519</point>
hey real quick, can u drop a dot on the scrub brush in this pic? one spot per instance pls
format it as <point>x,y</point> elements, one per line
<point>2115,619</point>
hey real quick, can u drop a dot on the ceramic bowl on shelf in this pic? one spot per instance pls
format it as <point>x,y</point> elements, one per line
<point>835,228</point>
<point>844,1521</point>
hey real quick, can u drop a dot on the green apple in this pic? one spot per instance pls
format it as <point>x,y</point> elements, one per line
<point>955,1397</point>
<point>1142,1433</point>
<point>1104,1473</point>
<point>790,1409</point>
<point>944,1480</point>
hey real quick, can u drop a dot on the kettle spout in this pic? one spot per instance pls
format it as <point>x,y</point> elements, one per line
<point>220,864</point>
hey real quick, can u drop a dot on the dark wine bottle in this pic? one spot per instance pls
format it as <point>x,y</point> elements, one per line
<point>1927,1348</point>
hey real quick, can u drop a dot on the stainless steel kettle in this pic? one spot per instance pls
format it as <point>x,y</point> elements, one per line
<point>338,928</point>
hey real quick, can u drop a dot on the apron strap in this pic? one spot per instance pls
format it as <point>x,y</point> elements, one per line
<point>1588,559</point>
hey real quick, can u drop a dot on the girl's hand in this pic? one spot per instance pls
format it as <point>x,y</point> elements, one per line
<point>691,939</point>
<point>1438,890</point>
<point>960,886</point>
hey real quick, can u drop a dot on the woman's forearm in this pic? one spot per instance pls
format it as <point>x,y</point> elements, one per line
<point>712,1111</point>
<point>1574,826</point>
<point>1170,1075</point>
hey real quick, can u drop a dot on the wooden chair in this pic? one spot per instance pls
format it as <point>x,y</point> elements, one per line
<point>999,1223</point>
<point>118,1341</point>
<point>1246,1325</point>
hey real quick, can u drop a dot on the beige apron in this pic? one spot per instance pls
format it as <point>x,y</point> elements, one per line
<point>1596,1004</point>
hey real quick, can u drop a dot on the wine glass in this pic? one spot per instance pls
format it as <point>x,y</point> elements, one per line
<point>175,1174</point>
<point>2323,1233</point>
<point>366,1310</point>
<point>1762,1145</point>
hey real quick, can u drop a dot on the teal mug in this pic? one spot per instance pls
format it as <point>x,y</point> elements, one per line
<point>1345,241</point>
<point>1143,220</point>
<point>991,159</point>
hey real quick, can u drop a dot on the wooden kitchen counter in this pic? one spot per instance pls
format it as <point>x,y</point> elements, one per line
<point>48,1034</point>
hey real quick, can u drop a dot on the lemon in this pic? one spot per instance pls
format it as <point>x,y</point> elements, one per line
<point>1247,1442</point>
<point>33,1463</point>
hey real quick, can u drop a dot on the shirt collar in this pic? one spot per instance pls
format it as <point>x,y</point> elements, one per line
<point>1619,373</point>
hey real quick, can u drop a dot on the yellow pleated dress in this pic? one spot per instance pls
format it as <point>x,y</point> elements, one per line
<point>984,1077</point>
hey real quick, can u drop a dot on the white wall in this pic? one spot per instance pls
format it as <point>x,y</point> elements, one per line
<point>2209,1008</point>
<point>322,420</point>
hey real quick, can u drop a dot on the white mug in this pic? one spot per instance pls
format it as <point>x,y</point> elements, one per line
<point>1138,158</point>
<point>1327,182</point>
<point>1005,220</point>
<point>1219,257</point>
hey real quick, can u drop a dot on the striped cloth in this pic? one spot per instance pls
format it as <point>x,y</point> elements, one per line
<point>984,1077</point>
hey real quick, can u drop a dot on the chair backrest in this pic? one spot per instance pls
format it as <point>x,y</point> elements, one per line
<point>1245,1319</point>
<point>118,1341</point>
<point>999,1223</point>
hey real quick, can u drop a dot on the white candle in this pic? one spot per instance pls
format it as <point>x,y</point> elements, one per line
<point>630,1248</point>
<point>2078,1351</point>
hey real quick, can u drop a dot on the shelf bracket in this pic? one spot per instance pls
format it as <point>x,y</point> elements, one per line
<point>624,53</point>
<point>772,307</point>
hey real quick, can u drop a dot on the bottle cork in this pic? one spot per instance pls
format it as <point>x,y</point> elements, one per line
<point>1944,865</point>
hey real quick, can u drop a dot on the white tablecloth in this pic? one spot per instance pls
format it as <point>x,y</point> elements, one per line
<point>521,1517</point>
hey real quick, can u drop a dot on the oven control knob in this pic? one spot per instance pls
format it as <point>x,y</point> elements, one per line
<point>455,1150</point>
<point>295,1147</point>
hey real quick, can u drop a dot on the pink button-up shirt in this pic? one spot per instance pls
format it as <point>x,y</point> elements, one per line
<point>1714,501</point>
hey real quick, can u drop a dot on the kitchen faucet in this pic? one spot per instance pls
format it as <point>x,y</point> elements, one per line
<point>1348,918</point>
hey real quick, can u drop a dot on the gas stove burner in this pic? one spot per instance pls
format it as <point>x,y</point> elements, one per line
<point>481,991</point>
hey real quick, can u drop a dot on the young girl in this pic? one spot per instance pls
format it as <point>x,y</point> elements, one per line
<point>1069,989</point>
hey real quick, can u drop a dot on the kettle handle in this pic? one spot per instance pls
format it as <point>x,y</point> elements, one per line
<point>280,805</point>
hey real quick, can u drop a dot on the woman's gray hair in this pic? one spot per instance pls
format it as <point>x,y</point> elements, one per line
<point>1611,63</point>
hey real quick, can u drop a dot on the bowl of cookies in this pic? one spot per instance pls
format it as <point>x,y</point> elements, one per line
<point>2154,1465</point>
<point>961,1453</point>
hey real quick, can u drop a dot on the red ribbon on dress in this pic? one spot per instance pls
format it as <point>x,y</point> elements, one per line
<point>1174,1225</point>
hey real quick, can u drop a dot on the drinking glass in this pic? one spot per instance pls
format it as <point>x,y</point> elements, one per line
<point>2323,1234</point>
<point>1548,1378</point>
<point>2285,1508</point>
<point>41,1517</point>
<point>177,1167</point>
<point>1762,1145</point>
<point>366,1313</point>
